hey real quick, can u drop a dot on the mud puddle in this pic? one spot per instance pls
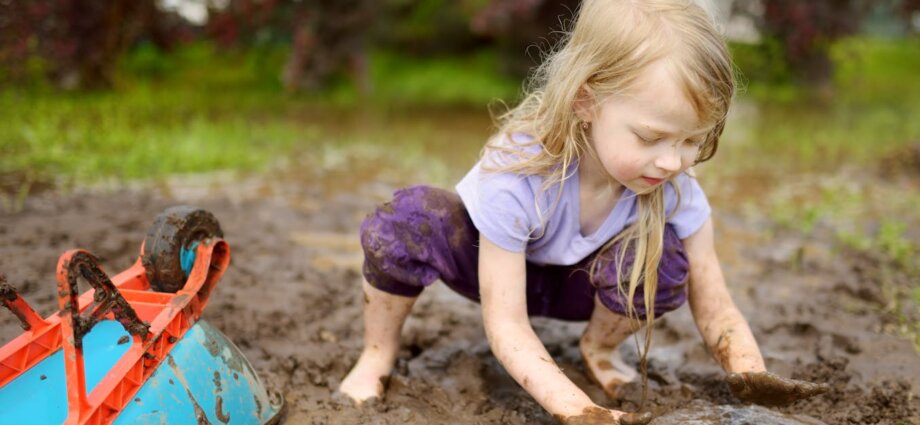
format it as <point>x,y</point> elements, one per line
<point>291,301</point>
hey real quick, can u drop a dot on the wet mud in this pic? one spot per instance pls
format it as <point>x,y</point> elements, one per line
<point>700,413</point>
<point>292,298</point>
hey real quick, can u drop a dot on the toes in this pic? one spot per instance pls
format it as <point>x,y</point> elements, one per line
<point>343,399</point>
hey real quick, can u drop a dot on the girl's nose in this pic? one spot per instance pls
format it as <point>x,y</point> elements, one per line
<point>669,160</point>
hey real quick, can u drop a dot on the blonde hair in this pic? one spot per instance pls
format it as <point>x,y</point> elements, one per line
<point>611,43</point>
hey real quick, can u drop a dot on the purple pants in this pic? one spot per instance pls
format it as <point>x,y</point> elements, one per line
<point>425,234</point>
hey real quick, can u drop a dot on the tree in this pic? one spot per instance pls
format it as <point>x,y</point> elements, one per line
<point>807,29</point>
<point>326,37</point>
<point>77,42</point>
<point>520,25</point>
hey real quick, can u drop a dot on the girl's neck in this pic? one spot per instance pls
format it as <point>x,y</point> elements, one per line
<point>593,178</point>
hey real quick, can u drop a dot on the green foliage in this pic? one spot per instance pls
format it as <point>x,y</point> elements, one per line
<point>762,63</point>
<point>200,66</point>
<point>143,133</point>
<point>417,20</point>
<point>146,61</point>
<point>890,240</point>
<point>877,69</point>
<point>865,69</point>
<point>473,80</point>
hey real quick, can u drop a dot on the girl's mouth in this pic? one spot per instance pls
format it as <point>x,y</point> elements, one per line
<point>652,181</point>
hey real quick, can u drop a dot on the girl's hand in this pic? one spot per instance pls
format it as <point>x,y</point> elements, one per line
<point>599,416</point>
<point>769,389</point>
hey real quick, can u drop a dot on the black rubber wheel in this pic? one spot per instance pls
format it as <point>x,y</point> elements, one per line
<point>172,230</point>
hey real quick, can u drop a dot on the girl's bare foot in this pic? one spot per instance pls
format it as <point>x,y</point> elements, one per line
<point>368,378</point>
<point>603,364</point>
<point>384,315</point>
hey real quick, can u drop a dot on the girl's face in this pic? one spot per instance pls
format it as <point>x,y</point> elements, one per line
<point>647,135</point>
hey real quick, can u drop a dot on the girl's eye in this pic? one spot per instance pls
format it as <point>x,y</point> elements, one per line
<point>694,142</point>
<point>648,141</point>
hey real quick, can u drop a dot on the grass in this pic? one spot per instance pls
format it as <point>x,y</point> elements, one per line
<point>196,111</point>
<point>85,138</point>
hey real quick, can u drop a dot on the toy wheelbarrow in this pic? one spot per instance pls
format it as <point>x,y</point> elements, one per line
<point>133,350</point>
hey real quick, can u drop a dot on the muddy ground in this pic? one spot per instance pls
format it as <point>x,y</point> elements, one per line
<point>291,301</point>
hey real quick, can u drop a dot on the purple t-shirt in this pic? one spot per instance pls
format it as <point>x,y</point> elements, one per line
<point>513,212</point>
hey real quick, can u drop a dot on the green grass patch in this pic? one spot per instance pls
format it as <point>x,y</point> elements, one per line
<point>145,133</point>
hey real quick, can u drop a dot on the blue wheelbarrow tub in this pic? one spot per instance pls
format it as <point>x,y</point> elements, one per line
<point>203,379</point>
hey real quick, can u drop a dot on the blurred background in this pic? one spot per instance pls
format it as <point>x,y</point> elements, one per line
<point>825,130</point>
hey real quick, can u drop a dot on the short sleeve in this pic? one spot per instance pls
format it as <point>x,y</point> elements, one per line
<point>693,210</point>
<point>501,206</point>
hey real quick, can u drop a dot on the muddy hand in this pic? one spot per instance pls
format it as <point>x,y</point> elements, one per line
<point>769,389</point>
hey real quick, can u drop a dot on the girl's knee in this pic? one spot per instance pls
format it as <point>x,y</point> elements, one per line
<point>415,217</point>
<point>405,240</point>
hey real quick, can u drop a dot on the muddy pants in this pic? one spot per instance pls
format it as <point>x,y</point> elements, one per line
<point>425,234</point>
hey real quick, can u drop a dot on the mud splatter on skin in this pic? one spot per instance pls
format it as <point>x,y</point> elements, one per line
<point>600,416</point>
<point>722,349</point>
<point>611,389</point>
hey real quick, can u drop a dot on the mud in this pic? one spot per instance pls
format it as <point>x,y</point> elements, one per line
<point>291,300</point>
<point>598,416</point>
<point>701,413</point>
<point>106,298</point>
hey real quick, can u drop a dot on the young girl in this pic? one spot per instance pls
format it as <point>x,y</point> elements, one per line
<point>582,207</point>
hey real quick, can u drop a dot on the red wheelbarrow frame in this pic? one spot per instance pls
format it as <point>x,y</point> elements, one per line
<point>155,320</point>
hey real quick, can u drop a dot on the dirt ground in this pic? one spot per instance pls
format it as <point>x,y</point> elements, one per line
<point>291,300</point>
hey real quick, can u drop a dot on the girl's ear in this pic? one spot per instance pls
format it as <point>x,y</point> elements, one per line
<point>584,104</point>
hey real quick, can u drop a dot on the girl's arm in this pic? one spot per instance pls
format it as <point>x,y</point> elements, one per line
<point>728,335</point>
<point>722,326</point>
<point>502,280</point>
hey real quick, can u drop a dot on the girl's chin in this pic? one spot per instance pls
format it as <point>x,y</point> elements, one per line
<point>644,189</point>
